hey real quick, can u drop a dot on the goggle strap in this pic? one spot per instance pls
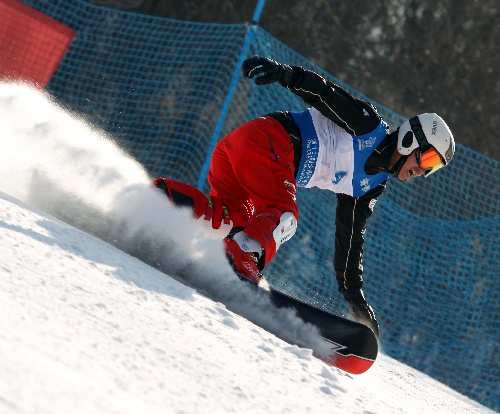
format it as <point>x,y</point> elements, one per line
<point>416,127</point>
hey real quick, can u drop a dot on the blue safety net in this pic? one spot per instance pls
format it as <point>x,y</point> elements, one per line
<point>167,90</point>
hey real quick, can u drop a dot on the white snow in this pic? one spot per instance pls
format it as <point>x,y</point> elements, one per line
<point>85,327</point>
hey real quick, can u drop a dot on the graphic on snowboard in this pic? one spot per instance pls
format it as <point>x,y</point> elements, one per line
<point>354,346</point>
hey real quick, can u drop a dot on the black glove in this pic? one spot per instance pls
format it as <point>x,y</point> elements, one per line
<point>362,312</point>
<point>270,71</point>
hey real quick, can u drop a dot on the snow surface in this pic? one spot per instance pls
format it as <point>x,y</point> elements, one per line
<point>89,323</point>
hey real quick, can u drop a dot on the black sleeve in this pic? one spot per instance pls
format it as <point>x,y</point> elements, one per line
<point>355,116</point>
<point>350,221</point>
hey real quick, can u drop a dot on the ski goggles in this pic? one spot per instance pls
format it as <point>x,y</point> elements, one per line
<point>427,157</point>
<point>430,160</point>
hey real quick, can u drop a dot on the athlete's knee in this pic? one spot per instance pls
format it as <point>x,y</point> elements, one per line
<point>270,228</point>
<point>286,228</point>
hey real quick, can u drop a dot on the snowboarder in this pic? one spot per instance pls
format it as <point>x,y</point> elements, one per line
<point>339,144</point>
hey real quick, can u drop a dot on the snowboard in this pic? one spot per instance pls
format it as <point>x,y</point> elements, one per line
<point>353,346</point>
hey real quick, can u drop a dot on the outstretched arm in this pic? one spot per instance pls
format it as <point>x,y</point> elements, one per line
<point>355,116</point>
<point>351,217</point>
<point>350,224</point>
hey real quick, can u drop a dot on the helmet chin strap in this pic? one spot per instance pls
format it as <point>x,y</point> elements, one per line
<point>398,165</point>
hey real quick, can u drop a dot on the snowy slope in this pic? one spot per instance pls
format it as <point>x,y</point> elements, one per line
<point>87,328</point>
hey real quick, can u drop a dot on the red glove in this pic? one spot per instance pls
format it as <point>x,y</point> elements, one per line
<point>185,195</point>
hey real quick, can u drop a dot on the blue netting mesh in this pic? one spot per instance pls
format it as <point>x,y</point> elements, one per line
<point>432,247</point>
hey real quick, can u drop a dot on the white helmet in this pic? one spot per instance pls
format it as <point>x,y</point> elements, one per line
<point>429,135</point>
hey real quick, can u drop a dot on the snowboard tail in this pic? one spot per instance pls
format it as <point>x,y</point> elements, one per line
<point>353,346</point>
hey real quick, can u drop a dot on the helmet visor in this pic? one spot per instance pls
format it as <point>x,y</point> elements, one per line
<point>430,160</point>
